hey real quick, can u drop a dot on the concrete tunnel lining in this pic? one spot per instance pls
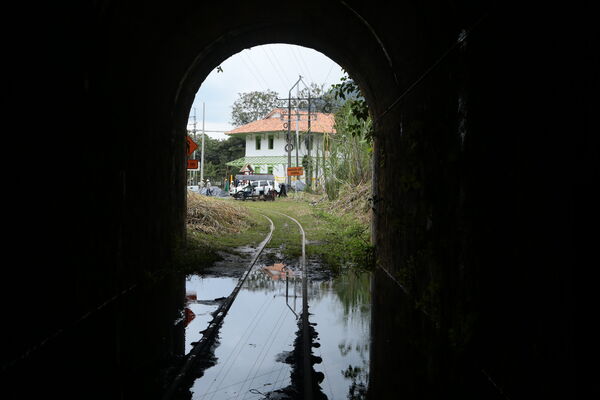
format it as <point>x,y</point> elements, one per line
<point>371,72</point>
<point>134,71</point>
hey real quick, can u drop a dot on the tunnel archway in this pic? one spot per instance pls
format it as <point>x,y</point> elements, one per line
<point>449,188</point>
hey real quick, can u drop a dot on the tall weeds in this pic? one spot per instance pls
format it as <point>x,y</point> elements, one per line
<point>348,157</point>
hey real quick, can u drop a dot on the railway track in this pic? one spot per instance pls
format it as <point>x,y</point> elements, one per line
<point>210,333</point>
<point>306,344</point>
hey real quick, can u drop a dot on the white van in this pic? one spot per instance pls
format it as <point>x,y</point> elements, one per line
<point>262,187</point>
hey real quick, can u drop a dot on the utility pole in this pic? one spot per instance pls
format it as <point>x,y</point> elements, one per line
<point>317,166</point>
<point>297,125</point>
<point>202,150</point>
<point>194,173</point>
<point>289,146</point>
<point>309,143</point>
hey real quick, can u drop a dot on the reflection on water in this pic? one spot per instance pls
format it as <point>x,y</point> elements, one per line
<point>202,299</point>
<point>342,313</point>
<point>257,331</point>
<point>257,336</point>
<point>278,271</point>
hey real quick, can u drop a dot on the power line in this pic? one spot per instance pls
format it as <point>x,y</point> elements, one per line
<point>304,64</point>
<point>328,73</point>
<point>252,72</point>
<point>241,341</point>
<point>273,65</point>
<point>264,85</point>
<point>325,373</point>
<point>265,351</point>
<point>257,70</point>
<point>283,367</point>
<point>279,64</point>
<point>297,61</point>
<point>237,383</point>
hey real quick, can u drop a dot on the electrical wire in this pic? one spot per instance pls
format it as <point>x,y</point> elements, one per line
<point>239,382</point>
<point>325,373</point>
<point>273,65</point>
<point>283,367</point>
<point>270,48</point>
<point>251,68</point>
<point>242,340</point>
<point>328,73</point>
<point>275,333</point>
<point>265,350</point>
<point>303,63</point>
<point>290,50</point>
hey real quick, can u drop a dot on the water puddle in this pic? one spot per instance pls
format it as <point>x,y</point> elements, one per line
<point>253,355</point>
<point>340,307</point>
<point>203,297</point>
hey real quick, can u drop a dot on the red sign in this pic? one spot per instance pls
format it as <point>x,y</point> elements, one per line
<point>189,316</point>
<point>190,145</point>
<point>192,164</point>
<point>295,171</point>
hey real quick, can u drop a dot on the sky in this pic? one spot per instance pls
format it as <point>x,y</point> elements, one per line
<point>275,67</point>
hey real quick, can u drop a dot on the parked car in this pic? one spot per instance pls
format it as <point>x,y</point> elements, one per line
<point>255,187</point>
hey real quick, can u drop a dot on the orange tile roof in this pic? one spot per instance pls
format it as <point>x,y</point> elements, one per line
<point>273,122</point>
<point>278,271</point>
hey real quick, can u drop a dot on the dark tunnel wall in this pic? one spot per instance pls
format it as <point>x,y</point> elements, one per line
<point>473,294</point>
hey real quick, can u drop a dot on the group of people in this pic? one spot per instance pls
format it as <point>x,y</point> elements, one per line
<point>205,184</point>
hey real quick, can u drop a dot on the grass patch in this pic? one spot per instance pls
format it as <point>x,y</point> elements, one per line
<point>217,225</point>
<point>337,238</point>
<point>346,241</point>
<point>338,233</point>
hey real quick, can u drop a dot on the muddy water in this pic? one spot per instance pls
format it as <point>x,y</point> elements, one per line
<point>253,353</point>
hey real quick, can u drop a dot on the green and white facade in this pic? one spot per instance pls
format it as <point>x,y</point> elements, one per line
<point>266,144</point>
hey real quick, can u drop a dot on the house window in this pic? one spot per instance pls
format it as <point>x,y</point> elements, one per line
<point>270,142</point>
<point>257,169</point>
<point>270,170</point>
<point>258,142</point>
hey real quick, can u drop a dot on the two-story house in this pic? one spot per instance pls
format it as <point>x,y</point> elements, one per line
<point>266,143</point>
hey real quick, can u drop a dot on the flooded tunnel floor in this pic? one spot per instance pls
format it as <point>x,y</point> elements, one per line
<point>252,354</point>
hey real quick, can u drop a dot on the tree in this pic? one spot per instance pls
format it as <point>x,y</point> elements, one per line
<point>322,100</point>
<point>349,93</point>
<point>252,106</point>
<point>350,149</point>
<point>217,153</point>
<point>229,149</point>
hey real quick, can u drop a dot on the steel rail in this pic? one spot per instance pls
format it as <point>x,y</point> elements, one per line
<point>307,339</point>
<point>213,327</point>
